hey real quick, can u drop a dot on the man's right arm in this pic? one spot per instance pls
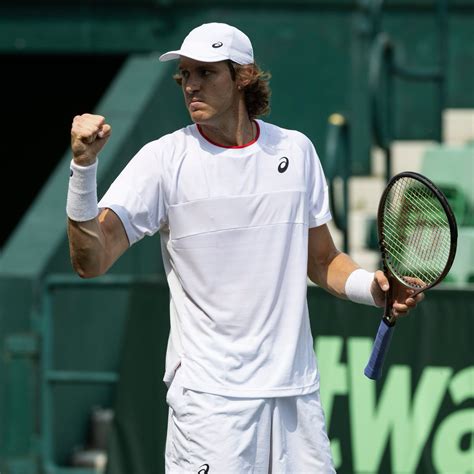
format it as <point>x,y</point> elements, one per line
<point>96,240</point>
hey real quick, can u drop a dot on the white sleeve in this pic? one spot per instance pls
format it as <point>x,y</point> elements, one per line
<point>319,212</point>
<point>138,195</point>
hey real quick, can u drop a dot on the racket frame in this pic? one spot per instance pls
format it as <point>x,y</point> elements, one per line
<point>373,370</point>
<point>388,317</point>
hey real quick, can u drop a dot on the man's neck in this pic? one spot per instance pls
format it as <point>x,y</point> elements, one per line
<point>236,131</point>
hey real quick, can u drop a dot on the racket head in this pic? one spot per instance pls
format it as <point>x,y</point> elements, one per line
<point>417,231</point>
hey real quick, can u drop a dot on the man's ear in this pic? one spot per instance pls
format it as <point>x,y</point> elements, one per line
<point>246,75</point>
<point>242,84</point>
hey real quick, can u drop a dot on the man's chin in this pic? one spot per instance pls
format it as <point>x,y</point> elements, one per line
<point>199,117</point>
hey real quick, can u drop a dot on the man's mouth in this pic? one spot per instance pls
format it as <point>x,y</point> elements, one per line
<point>195,104</point>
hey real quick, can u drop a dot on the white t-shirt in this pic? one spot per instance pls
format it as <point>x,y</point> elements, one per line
<point>234,233</point>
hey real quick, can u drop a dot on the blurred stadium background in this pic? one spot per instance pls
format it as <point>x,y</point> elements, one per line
<point>378,86</point>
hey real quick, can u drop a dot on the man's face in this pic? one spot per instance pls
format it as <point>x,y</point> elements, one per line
<point>210,94</point>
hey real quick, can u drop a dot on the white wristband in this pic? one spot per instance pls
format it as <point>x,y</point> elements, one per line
<point>358,286</point>
<point>82,193</point>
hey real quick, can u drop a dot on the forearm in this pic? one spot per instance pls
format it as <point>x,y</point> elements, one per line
<point>332,272</point>
<point>95,240</point>
<point>96,244</point>
<point>86,239</point>
<point>87,248</point>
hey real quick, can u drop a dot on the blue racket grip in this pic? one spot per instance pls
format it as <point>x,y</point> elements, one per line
<point>373,370</point>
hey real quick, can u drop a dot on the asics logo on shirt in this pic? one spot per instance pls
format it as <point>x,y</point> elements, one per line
<point>204,469</point>
<point>283,166</point>
<point>217,45</point>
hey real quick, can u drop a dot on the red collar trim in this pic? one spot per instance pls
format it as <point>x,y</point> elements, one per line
<point>235,146</point>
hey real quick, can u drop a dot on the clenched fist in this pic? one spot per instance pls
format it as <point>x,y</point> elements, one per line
<point>89,134</point>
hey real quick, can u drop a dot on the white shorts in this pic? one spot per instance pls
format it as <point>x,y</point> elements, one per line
<point>214,434</point>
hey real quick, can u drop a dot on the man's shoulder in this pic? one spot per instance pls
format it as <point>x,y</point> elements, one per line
<point>174,138</point>
<point>169,148</point>
<point>278,133</point>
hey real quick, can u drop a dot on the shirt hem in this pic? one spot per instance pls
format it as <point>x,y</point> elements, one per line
<point>319,221</point>
<point>122,215</point>
<point>253,393</point>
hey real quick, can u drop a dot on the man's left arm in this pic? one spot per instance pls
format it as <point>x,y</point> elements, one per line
<point>334,270</point>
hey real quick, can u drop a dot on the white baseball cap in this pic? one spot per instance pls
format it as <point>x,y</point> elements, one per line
<point>214,42</point>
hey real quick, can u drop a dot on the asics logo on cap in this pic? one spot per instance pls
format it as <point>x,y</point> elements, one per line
<point>218,44</point>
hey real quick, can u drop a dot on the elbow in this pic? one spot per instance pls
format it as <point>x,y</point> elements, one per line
<point>86,269</point>
<point>314,272</point>
<point>85,274</point>
<point>318,268</point>
<point>316,278</point>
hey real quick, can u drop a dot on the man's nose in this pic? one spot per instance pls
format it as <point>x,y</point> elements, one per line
<point>192,85</point>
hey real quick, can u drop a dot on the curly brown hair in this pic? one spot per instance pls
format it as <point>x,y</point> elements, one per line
<point>256,93</point>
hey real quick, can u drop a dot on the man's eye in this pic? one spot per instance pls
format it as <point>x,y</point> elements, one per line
<point>184,74</point>
<point>205,72</point>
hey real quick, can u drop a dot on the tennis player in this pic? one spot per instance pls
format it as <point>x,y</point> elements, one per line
<point>241,207</point>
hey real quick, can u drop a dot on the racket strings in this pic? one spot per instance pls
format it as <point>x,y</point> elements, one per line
<point>422,248</point>
<point>416,247</point>
<point>412,255</point>
<point>416,233</point>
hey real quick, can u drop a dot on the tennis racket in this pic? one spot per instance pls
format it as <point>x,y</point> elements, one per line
<point>417,235</point>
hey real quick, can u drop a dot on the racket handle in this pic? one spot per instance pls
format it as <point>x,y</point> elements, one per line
<point>373,370</point>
